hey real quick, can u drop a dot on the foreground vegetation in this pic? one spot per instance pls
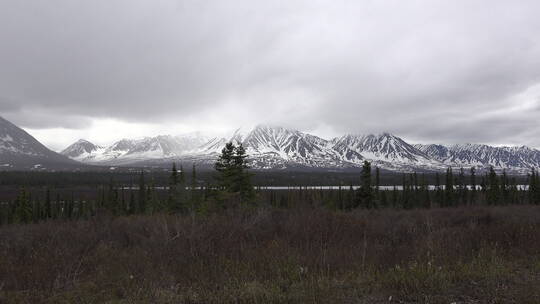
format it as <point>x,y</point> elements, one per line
<point>269,255</point>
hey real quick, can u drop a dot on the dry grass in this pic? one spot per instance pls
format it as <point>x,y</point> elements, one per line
<point>463,255</point>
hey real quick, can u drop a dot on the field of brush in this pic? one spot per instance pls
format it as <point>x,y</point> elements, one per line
<point>270,255</point>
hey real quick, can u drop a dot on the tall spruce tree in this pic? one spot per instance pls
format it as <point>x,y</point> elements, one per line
<point>23,209</point>
<point>439,197</point>
<point>377,196</point>
<point>194,194</point>
<point>416,190</point>
<point>365,192</point>
<point>531,186</point>
<point>48,207</point>
<point>141,204</point>
<point>426,200</point>
<point>405,193</point>
<point>505,188</point>
<point>472,198</point>
<point>225,167</point>
<point>173,195</point>
<point>243,177</point>
<point>449,188</point>
<point>462,188</point>
<point>493,190</point>
<point>233,172</point>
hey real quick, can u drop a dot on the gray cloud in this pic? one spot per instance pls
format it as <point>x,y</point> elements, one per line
<point>426,70</point>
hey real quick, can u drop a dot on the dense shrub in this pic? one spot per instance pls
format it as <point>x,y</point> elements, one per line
<point>475,255</point>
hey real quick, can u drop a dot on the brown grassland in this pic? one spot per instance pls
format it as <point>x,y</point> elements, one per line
<point>265,255</point>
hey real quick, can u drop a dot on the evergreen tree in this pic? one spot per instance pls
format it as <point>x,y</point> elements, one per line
<point>531,186</point>
<point>153,203</point>
<point>225,167</point>
<point>23,207</point>
<point>194,197</point>
<point>449,188</point>
<point>351,200</point>
<point>37,212</point>
<point>462,187</point>
<point>233,175</point>
<point>174,175</point>
<point>377,186</point>
<point>426,200</point>
<point>505,188</point>
<point>365,192</point>
<point>493,197</point>
<point>173,200</point>
<point>123,203</point>
<point>405,193</point>
<point>57,207</point>
<point>141,206</point>
<point>243,177</point>
<point>48,208</point>
<point>394,197</point>
<point>472,199</point>
<point>383,198</point>
<point>132,204</point>
<point>513,192</point>
<point>438,190</point>
<point>416,190</point>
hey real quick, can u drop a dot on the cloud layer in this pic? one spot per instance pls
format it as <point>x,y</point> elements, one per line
<point>438,71</point>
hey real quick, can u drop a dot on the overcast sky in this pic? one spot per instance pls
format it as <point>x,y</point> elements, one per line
<point>429,71</point>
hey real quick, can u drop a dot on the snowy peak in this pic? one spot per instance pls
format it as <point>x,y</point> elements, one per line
<point>160,146</point>
<point>382,147</point>
<point>283,141</point>
<point>130,150</point>
<point>79,149</point>
<point>484,156</point>
<point>275,147</point>
<point>289,145</point>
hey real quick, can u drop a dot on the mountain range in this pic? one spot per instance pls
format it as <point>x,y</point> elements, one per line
<point>274,147</point>
<point>268,147</point>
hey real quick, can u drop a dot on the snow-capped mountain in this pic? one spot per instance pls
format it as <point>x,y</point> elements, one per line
<point>274,147</point>
<point>483,156</point>
<point>19,150</point>
<point>80,150</point>
<point>128,151</point>
<point>385,149</point>
<point>268,147</point>
<point>289,148</point>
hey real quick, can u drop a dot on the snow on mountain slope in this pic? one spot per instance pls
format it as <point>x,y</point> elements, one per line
<point>18,149</point>
<point>513,158</point>
<point>81,150</point>
<point>385,149</point>
<point>127,151</point>
<point>290,146</point>
<point>438,152</point>
<point>272,147</point>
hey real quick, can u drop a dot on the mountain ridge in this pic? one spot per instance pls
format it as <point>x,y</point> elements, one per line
<point>276,147</point>
<point>268,147</point>
<point>20,150</point>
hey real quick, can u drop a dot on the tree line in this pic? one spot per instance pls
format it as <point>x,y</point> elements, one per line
<point>456,190</point>
<point>233,188</point>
